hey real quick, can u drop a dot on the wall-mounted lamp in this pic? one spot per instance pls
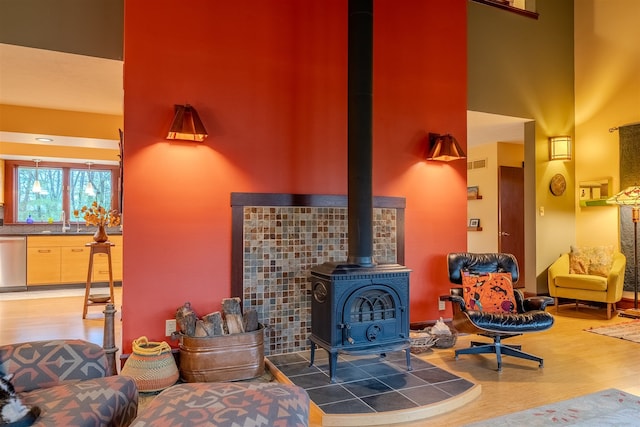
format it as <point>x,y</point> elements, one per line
<point>560,148</point>
<point>187,125</point>
<point>37,188</point>
<point>444,148</point>
<point>88,189</point>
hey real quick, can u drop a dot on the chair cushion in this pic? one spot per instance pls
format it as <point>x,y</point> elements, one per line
<point>595,260</point>
<point>110,401</point>
<point>581,281</point>
<point>531,321</point>
<point>39,364</point>
<point>490,292</point>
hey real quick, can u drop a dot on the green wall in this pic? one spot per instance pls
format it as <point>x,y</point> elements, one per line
<point>523,67</point>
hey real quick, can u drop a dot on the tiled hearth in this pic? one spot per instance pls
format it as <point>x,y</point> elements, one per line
<point>373,387</point>
<point>280,245</point>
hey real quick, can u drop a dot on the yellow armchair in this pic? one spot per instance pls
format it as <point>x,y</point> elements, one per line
<point>587,287</point>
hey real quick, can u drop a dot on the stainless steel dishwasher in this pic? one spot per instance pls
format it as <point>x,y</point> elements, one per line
<point>13,263</point>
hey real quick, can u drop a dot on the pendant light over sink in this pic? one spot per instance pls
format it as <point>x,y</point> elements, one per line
<point>37,188</point>
<point>88,189</point>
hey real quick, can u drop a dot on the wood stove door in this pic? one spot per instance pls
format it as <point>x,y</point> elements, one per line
<point>372,315</point>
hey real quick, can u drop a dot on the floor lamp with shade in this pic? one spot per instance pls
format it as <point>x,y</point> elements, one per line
<point>631,197</point>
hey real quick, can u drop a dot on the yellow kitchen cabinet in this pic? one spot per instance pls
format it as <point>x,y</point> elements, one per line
<point>43,265</point>
<point>65,259</point>
<point>73,264</point>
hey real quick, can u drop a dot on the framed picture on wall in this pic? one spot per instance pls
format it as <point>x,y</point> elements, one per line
<point>472,192</point>
<point>474,222</point>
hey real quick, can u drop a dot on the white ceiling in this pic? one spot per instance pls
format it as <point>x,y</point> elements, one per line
<point>483,128</point>
<point>62,81</point>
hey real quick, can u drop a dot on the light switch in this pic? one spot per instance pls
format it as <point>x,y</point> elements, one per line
<point>541,210</point>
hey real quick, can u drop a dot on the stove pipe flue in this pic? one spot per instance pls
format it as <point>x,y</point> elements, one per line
<point>360,132</point>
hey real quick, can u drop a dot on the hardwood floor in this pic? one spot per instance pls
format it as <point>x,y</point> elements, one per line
<point>576,362</point>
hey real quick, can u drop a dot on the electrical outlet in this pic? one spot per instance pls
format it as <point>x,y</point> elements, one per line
<point>441,305</point>
<point>169,327</point>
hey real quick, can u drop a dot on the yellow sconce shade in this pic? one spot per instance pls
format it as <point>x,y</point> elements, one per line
<point>444,148</point>
<point>187,125</point>
<point>560,148</point>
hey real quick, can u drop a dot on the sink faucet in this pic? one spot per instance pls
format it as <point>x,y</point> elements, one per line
<point>65,227</point>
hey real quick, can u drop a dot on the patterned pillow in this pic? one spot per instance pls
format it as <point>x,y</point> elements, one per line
<point>489,292</point>
<point>596,260</point>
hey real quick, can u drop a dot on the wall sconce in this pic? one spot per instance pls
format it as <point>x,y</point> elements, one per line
<point>560,148</point>
<point>444,148</point>
<point>37,188</point>
<point>187,125</point>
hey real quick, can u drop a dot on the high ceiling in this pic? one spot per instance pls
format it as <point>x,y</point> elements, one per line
<point>68,56</point>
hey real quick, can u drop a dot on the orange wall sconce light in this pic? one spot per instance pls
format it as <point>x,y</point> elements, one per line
<point>444,148</point>
<point>186,125</point>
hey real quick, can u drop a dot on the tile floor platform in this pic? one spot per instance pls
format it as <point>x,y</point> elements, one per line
<point>374,386</point>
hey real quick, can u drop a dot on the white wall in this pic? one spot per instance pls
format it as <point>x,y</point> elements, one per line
<point>495,154</point>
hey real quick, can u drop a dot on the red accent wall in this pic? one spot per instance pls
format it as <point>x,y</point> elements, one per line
<point>269,80</point>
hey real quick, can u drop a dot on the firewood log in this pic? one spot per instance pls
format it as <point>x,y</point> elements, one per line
<point>186,319</point>
<point>250,320</point>
<point>200,330</point>
<point>232,315</point>
<point>212,323</point>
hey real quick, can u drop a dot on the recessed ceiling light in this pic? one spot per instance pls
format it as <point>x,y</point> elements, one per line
<point>44,139</point>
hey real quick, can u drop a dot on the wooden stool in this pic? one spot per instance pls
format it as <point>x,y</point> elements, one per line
<point>98,248</point>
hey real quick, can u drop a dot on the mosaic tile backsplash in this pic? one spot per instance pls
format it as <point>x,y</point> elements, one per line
<point>281,245</point>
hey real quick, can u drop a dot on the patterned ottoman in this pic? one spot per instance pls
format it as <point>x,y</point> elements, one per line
<point>228,404</point>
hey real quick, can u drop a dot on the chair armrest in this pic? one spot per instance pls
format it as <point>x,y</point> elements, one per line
<point>457,299</point>
<point>615,279</point>
<point>559,266</point>
<point>43,364</point>
<point>537,303</point>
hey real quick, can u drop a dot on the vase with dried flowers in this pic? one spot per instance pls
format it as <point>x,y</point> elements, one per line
<point>99,216</point>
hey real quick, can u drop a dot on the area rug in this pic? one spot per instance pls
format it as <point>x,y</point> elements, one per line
<point>610,407</point>
<point>629,331</point>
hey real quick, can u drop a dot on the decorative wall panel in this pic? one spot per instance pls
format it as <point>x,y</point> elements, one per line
<point>629,175</point>
<point>280,245</point>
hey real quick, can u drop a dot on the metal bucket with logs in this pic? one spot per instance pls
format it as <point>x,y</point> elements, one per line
<point>217,348</point>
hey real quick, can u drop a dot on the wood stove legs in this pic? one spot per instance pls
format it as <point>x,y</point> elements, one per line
<point>333,358</point>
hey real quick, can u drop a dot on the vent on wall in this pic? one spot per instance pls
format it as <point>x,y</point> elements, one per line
<point>477,164</point>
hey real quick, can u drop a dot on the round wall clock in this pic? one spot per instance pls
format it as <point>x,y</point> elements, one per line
<point>558,184</point>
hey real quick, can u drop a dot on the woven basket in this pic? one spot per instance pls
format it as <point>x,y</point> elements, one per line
<point>421,341</point>
<point>445,340</point>
<point>151,365</point>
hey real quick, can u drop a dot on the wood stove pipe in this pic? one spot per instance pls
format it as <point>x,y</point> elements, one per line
<point>360,133</point>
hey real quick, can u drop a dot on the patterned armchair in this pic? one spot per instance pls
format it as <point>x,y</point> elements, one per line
<point>69,381</point>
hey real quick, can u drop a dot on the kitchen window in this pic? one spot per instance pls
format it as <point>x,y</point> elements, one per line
<point>63,187</point>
